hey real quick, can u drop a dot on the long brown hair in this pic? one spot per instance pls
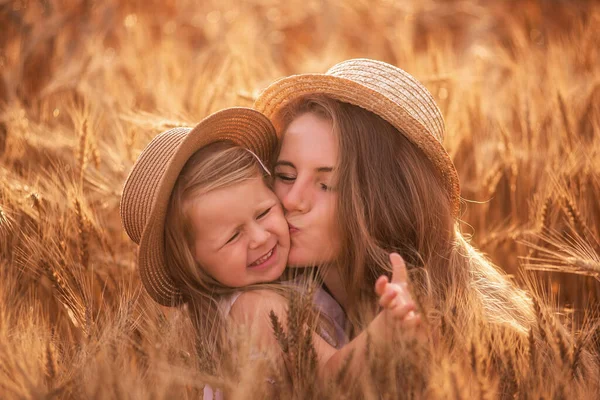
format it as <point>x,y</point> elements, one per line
<point>390,198</point>
<point>215,166</point>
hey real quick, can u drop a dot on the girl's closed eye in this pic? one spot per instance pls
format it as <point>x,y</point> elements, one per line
<point>232,238</point>
<point>264,213</point>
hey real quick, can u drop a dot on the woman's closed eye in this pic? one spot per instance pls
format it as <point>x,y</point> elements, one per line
<point>285,177</point>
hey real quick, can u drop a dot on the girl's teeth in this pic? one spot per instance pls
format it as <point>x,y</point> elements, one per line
<point>263,259</point>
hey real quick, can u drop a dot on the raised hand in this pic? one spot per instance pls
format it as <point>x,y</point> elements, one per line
<point>394,296</point>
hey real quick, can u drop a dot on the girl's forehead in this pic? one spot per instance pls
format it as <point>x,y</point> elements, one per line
<point>219,207</point>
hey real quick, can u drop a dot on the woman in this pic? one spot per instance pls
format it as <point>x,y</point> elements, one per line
<point>361,173</point>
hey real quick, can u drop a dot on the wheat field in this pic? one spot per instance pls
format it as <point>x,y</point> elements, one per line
<point>86,84</point>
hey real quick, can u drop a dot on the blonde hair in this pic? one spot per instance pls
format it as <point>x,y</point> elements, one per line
<point>390,199</point>
<point>216,166</point>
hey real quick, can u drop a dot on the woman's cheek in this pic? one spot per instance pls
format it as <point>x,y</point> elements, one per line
<point>332,225</point>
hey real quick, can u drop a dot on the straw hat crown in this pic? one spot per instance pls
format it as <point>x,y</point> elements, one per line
<point>395,84</point>
<point>385,90</point>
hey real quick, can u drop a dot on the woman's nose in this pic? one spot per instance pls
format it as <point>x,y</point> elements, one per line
<point>258,236</point>
<point>296,199</point>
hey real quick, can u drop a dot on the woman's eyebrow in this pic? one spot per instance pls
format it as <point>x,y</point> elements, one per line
<point>290,164</point>
<point>284,163</point>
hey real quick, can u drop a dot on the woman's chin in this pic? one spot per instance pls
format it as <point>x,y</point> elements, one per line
<point>299,258</point>
<point>295,259</point>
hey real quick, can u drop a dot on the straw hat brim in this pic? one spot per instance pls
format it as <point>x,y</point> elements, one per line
<point>165,158</point>
<point>285,90</point>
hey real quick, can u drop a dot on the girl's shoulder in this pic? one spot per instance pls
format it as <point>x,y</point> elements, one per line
<point>257,302</point>
<point>227,302</point>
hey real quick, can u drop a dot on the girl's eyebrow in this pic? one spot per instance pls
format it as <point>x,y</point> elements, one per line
<point>265,204</point>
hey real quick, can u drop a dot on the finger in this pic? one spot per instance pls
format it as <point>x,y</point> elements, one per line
<point>402,311</point>
<point>402,289</point>
<point>398,268</point>
<point>403,292</point>
<point>380,285</point>
<point>386,299</point>
<point>412,320</point>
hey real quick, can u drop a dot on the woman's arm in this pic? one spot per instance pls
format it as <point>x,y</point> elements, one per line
<point>398,308</point>
<point>252,309</point>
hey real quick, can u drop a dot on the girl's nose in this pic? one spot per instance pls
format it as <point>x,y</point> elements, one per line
<point>258,236</point>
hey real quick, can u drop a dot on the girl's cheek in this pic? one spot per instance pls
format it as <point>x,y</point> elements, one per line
<point>282,196</point>
<point>277,225</point>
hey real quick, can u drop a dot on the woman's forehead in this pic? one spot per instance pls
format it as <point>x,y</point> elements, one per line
<point>310,139</point>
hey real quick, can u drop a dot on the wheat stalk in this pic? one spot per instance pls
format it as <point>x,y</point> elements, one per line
<point>576,219</point>
<point>586,118</point>
<point>82,152</point>
<point>509,375</point>
<point>82,229</point>
<point>66,295</point>
<point>279,332</point>
<point>95,155</point>
<point>544,218</point>
<point>51,366</point>
<point>5,221</point>
<point>565,119</point>
<point>492,179</point>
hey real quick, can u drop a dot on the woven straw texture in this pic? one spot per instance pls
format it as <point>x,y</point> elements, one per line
<point>148,188</point>
<point>383,89</point>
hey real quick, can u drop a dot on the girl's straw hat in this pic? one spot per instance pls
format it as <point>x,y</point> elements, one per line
<point>148,188</point>
<point>383,89</point>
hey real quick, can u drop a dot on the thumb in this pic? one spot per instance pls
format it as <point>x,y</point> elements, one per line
<point>399,274</point>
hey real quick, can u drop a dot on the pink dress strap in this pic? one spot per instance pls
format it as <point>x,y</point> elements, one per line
<point>330,309</point>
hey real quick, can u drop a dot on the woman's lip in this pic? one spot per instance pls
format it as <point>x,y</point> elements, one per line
<point>293,228</point>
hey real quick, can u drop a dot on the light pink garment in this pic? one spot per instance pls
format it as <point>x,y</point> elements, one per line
<point>210,394</point>
<point>330,308</point>
<point>323,302</point>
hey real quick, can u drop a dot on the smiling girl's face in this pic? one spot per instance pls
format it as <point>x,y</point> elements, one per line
<point>240,234</point>
<point>305,184</point>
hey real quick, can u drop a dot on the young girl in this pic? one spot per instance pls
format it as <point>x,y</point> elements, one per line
<point>212,233</point>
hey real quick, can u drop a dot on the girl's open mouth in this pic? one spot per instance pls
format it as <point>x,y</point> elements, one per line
<point>265,261</point>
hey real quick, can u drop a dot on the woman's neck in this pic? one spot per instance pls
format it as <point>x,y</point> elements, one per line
<point>331,279</point>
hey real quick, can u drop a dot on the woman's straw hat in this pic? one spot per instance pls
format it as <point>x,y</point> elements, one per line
<point>383,89</point>
<point>148,188</point>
